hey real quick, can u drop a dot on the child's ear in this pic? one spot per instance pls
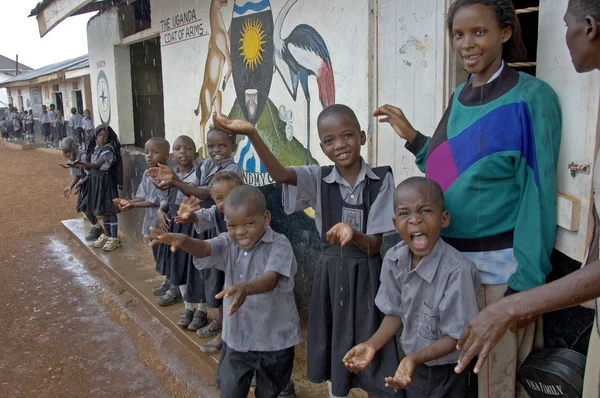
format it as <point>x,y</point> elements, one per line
<point>445,219</point>
<point>267,218</point>
<point>593,27</point>
<point>363,137</point>
<point>234,148</point>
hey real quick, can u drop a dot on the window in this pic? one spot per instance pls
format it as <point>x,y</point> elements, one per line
<point>528,14</point>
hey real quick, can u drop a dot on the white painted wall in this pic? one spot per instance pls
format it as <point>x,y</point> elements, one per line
<point>410,74</point>
<point>3,91</point>
<point>107,55</point>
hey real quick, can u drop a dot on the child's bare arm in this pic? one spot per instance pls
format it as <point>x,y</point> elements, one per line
<point>67,191</point>
<point>195,247</point>
<point>265,283</point>
<point>201,193</point>
<point>281,174</point>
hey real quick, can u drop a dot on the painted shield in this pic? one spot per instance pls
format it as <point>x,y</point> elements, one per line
<point>252,55</point>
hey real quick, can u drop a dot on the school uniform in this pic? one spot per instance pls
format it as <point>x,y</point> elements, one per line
<point>87,123</point>
<point>260,336</point>
<point>342,311</point>
<point>84,188</point>
<point>175,265</point>
<point>45,122</point>
<point>436,299</point>
<point>203,285</point>
<point>52,119</point>
<point>147,191</point>
<point>103,184</point>
<point>29,124</point>
<point>76,124</point>
<point>210,221</point>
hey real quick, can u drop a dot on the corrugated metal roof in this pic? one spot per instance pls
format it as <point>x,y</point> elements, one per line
<point>9,64</point>
<point>70,64</point>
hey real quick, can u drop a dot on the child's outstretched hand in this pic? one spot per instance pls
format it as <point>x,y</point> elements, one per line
<point>341,234</point>
<point>64,165</point>
<point>124,205</point>
<point>239,293</point>
<point>163,220</point>
<point>359,357</point>
<point>173,240</point>
<point>162,185</point>
<point>233,126</point>
<point>395,117</point>
<point>404,374</point>
<point>67,191</point>
<point>187,209</point>
<point>162,172</point>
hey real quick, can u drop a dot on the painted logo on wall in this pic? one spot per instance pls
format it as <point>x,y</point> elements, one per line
<point>103,97</point>
<point>255,53</point>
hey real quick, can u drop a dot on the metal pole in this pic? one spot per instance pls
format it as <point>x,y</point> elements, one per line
<point>17,65</point>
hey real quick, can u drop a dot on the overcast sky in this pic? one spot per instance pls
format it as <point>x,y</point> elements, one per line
<point>20,35</point>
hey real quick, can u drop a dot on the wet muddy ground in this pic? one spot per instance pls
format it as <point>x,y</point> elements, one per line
<point>66,327</point>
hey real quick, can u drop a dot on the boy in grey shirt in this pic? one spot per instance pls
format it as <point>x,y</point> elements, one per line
<point>429,287</point>
<point>262,326</point>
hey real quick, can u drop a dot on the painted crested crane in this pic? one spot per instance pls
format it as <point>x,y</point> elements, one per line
<point>302,54</point>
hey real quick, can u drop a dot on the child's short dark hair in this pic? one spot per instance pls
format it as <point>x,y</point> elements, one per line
<point>73,110</point>
<point>186,138</point>
<point>161,142</point>
<point>246,195</point>
<point>68,143</point>
<point>581,8</point>
<point>430,184</point>
<point>339,109</point>
<point>514,50</point>
<point>225,176</point>
<point>232,137</point>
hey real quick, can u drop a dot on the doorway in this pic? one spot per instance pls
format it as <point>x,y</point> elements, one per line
<point>58,101</point>
<point>77,100</point>
<point>147,91</point>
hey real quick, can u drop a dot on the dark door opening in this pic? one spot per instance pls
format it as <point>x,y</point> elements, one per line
<point>147,90</point>
<point>79,101</point>
<point>59,102</point>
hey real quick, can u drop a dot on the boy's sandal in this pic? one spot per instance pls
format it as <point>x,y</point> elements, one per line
<point>210,330</point>
<point>213,346</point>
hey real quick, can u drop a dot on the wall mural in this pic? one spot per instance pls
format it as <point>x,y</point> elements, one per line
<point>253,54</point>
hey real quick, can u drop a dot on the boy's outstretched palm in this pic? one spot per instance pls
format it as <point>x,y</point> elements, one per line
<point>173,240</point>
<point>233,126</point>
<point>187,209</point>
<point>161,172</point>
<point>359,357</point>
<point>239,293</point>
<point>403,376</point>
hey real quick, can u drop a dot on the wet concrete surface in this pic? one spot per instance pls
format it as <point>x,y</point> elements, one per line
<point>69,330</point>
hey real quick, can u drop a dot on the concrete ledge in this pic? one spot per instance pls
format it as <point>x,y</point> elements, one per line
<point>23,145</point>
<point>54,151</point>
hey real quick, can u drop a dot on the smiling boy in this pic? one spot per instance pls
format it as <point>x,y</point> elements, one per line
<point>262,325</point>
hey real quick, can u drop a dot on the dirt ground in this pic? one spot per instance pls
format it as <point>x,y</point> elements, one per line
<point>66,328</point>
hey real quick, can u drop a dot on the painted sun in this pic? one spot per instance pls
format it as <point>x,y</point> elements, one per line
<point>251,43</point>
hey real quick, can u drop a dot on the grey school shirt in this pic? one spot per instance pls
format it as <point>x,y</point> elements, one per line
<point>76,171</point>
<point>209,168</point>
<point>207,219</point>
<point>147,191</point>
<point>190,178</point>
<point>307,194</point>
<point>434,300</point>
<point>107,152</point>
<point>268,321</point>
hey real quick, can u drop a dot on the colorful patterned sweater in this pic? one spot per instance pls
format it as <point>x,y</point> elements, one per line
<point>494,154</point>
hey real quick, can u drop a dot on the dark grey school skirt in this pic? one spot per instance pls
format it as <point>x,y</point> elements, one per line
<point>342,313</point>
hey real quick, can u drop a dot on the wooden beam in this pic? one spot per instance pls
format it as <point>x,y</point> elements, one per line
<point>56,12</point>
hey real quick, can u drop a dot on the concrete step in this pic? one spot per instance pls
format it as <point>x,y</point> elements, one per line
<point>134,268</point>
<point>23,145</point>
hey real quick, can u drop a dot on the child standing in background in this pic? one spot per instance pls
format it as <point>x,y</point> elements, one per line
<point>106,173</point>
<point>156,150</point>
<point>45,122</point>
<point>87,123</point>
<point>29,125</point>
<point>220,146</point>
<point>76,125</point>
<point>353,206</point>
<point>79,184</point>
